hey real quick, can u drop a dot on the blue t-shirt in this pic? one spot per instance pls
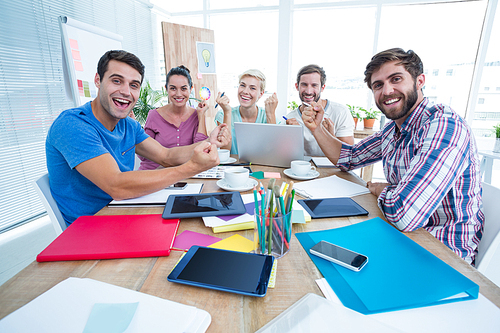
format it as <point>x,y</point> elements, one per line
<point>235,118</point>
<point>75,137</point>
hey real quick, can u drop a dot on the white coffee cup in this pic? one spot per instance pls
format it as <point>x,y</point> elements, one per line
<point>302,168</point>
<point>236,177</point>
<point>224,155</point>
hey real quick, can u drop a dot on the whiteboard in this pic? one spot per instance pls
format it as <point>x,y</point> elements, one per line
<point>82,46</point>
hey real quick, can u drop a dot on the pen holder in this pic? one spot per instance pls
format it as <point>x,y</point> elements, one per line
<point>272,235</point>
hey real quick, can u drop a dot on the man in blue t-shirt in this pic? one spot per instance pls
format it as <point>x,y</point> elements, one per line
<point>91,149</point>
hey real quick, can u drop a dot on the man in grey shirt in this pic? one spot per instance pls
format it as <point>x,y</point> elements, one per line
<point>311,81</point>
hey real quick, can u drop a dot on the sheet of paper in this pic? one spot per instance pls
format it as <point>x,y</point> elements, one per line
<point>188,238</point>
<point>329,187</point>
<point>234,243</point>
<point>313,313</point>
<point>67,306</point>
<point>449,317</point>
<point>158,198</point>
<point>110,317</point>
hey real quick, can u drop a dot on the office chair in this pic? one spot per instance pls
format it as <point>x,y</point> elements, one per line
<point>488,257</point>
<point>42,187</point>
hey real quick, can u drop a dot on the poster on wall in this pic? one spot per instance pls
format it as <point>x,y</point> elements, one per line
<point>82,47</point>
<point>206,57</point>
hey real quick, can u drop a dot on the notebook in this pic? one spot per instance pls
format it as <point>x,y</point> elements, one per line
<point>269,144</point>
<point>112,237</point>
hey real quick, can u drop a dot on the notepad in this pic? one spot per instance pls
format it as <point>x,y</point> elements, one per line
<point>112,237</point>
<point>158,198</point>
<point>329,187</point>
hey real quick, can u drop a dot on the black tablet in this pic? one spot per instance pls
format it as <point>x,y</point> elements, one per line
<point>203,204</point>
<point>231,271</point>
<point>332,207</point>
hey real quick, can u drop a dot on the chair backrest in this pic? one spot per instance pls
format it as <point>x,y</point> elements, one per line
<point>43,189</point>
<point>488,257</point>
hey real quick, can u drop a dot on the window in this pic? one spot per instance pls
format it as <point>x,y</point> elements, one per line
<point>32,87</point>
<point>453,46</point>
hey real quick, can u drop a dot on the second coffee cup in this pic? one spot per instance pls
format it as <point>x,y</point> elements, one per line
<point>236,177</point>
<point>301,168</point>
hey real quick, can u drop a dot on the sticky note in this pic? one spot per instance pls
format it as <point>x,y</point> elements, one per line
<point>188,238</point>
<point>199,76</point>
<point>73,43</point>
<point>78,66</point>
<point>275,175</point>
<point>234,243</point>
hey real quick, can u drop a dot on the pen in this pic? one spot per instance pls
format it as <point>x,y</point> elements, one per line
<point>240,164</point>
<point>285,118</point>
<point>306,104</point>
<point>217,104</point>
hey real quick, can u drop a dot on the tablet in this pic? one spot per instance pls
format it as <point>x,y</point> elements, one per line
<point>203,204</point>
<point>332,207</point>
<point>231,271</point>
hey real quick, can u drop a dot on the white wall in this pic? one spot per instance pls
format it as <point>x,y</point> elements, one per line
<point>20,246</point>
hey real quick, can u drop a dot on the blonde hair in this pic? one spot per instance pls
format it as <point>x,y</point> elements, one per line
<point>256,74</point>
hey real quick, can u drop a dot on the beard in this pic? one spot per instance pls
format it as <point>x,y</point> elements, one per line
<point>409,101</point>
<point>315,97</point>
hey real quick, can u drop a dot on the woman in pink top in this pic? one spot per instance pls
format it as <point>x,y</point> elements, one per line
<point>177,123</point>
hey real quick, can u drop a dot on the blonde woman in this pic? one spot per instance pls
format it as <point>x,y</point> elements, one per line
<point>252,84</point>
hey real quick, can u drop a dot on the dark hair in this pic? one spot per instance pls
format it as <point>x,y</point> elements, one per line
<point>180,70</point>
<point>409,59</point>
<point>312,69</point>
<point>122,56</point>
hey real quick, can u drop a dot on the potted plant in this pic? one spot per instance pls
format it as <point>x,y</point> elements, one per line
<point>355,114</point>
<point>148,100</point>
<point>496,129</point>
<point>370,117</point>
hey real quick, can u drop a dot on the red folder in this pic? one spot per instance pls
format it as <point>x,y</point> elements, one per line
<point>112,237</point>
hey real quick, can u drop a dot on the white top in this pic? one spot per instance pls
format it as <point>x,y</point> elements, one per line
<point>341,118</point>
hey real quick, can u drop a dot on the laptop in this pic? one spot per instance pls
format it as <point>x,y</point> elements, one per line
<point>269,144</point>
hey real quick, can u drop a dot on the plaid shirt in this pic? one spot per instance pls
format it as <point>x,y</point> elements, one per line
<point>433,166</point>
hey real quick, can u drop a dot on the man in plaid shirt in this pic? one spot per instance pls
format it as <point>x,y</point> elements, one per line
<point>428,152</point>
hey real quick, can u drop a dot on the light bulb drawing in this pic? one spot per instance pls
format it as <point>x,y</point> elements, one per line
<point>206,57</point>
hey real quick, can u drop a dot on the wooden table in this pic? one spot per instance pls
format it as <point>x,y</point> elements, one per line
<point>296,273</point>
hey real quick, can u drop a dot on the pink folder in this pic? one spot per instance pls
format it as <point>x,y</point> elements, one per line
<point>112,237</point>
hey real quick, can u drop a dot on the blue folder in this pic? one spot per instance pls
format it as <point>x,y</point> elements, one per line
<point>400,274</point>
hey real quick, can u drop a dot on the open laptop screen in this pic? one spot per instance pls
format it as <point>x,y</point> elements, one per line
<point>269,144</point>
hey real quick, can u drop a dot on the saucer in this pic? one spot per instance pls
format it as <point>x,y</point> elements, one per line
<point>248,186</point>
<point>229,161</point>
<point>311,175</point>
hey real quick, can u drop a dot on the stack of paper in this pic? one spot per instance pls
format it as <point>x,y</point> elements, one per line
<point>329,187</point>
<point>323,162</point>
<point>157,198</point>
<point>246,221</point>
<point>67,307</point>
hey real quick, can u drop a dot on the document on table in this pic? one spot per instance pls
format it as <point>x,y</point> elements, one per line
<point>313,313</point>
<point>450,317</point>
<point>329,187</point>
<point>67,307</point>
<point>157,198</point>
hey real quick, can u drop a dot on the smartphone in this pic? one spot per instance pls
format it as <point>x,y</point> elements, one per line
<point>336,254</point>
<point>178,186</point>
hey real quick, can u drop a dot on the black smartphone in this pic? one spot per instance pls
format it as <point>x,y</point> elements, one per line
<point>178,186</point>
<point>343,257</point>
